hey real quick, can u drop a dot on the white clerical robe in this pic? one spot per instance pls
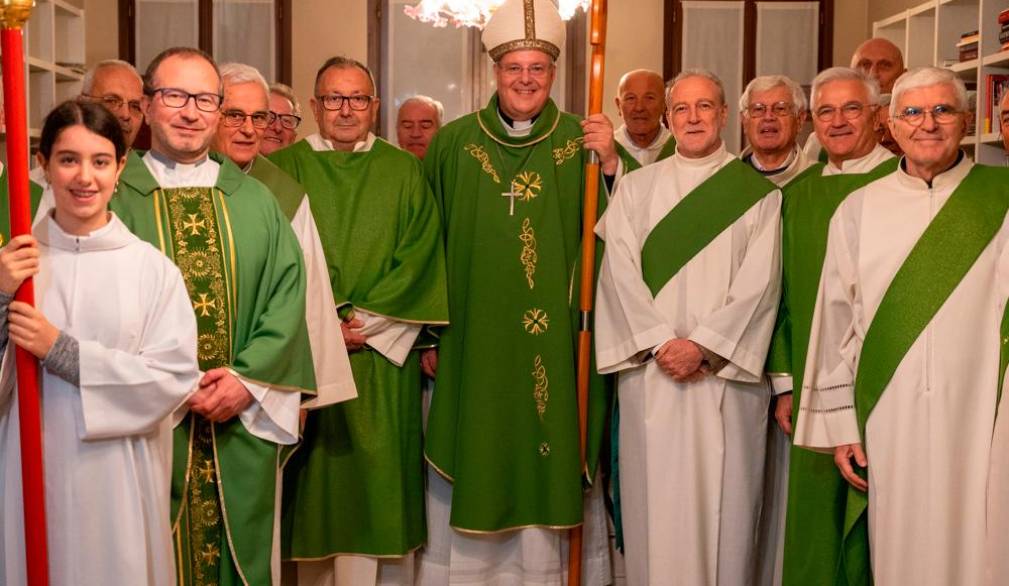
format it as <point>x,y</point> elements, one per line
<point>929,436</point>
<point>771,538</point>
<point>797,163</point>
<point>997,542</point>
<point>108,442</point>
<point>691,454</point>
<point>645,155</point>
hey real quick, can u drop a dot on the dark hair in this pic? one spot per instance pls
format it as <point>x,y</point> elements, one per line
<point>341,62</point>
<point>94,117</point>
<point>178,52</point>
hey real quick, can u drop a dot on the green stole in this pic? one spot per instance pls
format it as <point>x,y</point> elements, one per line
<point>699,218</point>
<point>289,193</point>
<point>35,196</point>
<point>356,484</point>
<point>933,269</point>
<point>503,423</point>
<point>816,491</point>
<point>243,269</point>
<point>630,163</point>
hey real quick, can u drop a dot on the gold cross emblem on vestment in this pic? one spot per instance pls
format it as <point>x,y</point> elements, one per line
<point>204,305</point>
<point>194,225</point>
<point>210,553</point>
<point>512,194</point>
<point>206,471</point>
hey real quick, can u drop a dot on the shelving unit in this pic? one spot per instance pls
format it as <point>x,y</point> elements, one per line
<point>927,35</point>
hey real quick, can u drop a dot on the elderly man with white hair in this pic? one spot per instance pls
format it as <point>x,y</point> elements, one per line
<point>286,110</point>
<point>804,546</point>
<point>688,290</point>
<point>419,117</point>
<point>773,109</point>
<point>902,371</point>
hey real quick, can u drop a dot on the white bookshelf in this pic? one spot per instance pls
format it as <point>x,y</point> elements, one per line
<point>927,35</point>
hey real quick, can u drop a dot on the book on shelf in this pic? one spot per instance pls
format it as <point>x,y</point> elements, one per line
<point>966,54</point>
<point>968,39</point>
<point>1003,17</point>
<point>995,87</point>
<point>1003,35</point>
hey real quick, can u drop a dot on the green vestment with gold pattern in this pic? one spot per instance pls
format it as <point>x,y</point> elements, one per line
<point>503,424</point>
<point>356,484</point>
<point>244,272</point>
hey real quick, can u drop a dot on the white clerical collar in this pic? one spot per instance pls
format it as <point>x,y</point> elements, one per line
<point>169,173</point>
<point>657,144</point>
<point>862,164</point>
<point>714,157</point>
<point>755,161</point>
<point>949,178</point>
<point>318,143</point>
<point>112,235</point>
<point>517,128</point>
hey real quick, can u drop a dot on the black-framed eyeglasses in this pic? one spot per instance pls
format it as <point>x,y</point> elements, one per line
<point>260,119</point>
<point>779,109</point>
<point>288,121</point>
<point>357,102</point>
<point>849,111</point>
<point>114,102</point>
<point>942,114</point>
<point>176,98</point>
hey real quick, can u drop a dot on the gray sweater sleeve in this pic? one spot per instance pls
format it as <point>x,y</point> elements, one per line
<point>63,359</point>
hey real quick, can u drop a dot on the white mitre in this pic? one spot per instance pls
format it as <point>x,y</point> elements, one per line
<point>524,24</point>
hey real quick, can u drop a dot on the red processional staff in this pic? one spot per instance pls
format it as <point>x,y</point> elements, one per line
<point>13,16</point>
<point>597,39</point>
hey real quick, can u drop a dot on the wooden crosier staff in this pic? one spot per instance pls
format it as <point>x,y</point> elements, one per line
<point>13,15</point>
<point>597,39</point>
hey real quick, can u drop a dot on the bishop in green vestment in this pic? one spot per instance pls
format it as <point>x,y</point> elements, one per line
<point>815,505</point>
<point>509,179</point>
<point>243,268</point>
<point>356,487</point>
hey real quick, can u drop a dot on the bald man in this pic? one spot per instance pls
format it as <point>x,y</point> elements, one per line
<point>881,60</point>
<point>642,139</point>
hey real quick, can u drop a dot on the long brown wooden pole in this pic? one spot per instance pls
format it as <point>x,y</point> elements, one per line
<point>597,40</point>
<point>13,16</point>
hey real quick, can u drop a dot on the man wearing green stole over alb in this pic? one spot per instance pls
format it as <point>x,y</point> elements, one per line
<point>245,116</point>
<point>688,292</point>
<point>502,433</point>
<point>844,118</point>
<point>902,372</point>
<point>354,491</point>
<point>641,101</point>
<point>243,268</point>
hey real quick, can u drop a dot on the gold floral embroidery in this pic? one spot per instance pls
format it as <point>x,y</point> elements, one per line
<point>541,392</point>
<point>481,155</point>
<point>535,321</point>
<point>569,150</point>
<point>528,184</point>
<point>528,256</point>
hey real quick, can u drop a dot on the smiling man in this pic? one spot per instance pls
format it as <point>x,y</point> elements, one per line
<point>354,508</point>
<point>844,118</point>
<point>243,268</point>
<point>687,296</point>
<point>419,117</point>
<point>773,109</point>
<point>642,139</point>
<point>283,128</point>
<point>502,433</point>
<point>902,374</point>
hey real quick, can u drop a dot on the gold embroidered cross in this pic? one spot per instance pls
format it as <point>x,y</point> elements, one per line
<point>206,471</point>
<point>194,225</point>
<point>512,194</point>
<point>204,305</point>
<point>210,553</point>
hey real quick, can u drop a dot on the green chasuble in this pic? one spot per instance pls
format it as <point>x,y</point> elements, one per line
<point>243,268</point>
<point>35,196</point>
<point>289,193</point>
<point>356,485</point>
<point>816,492</point>
<point>503,423</point>
<point>630,163</point>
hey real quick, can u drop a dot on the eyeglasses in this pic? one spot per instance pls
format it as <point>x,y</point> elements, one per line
<point>537,70</point>
<point>114,102</point>
<point>779,109</point>
<point>942,114</point>
<point>335,101</point>
<point>288,121</point>
<point>260,119</point>
<point>849,111</point>
<point>176,98</point>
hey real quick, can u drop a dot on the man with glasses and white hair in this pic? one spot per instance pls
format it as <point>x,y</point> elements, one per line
<point>354,491</point>
<point>902,372</point>
<point>116,85</point>
<point>688,290</point>
<point>844,118</point>
<point>773,109</point>
<point>283,129</point>
<point>244,271</point>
